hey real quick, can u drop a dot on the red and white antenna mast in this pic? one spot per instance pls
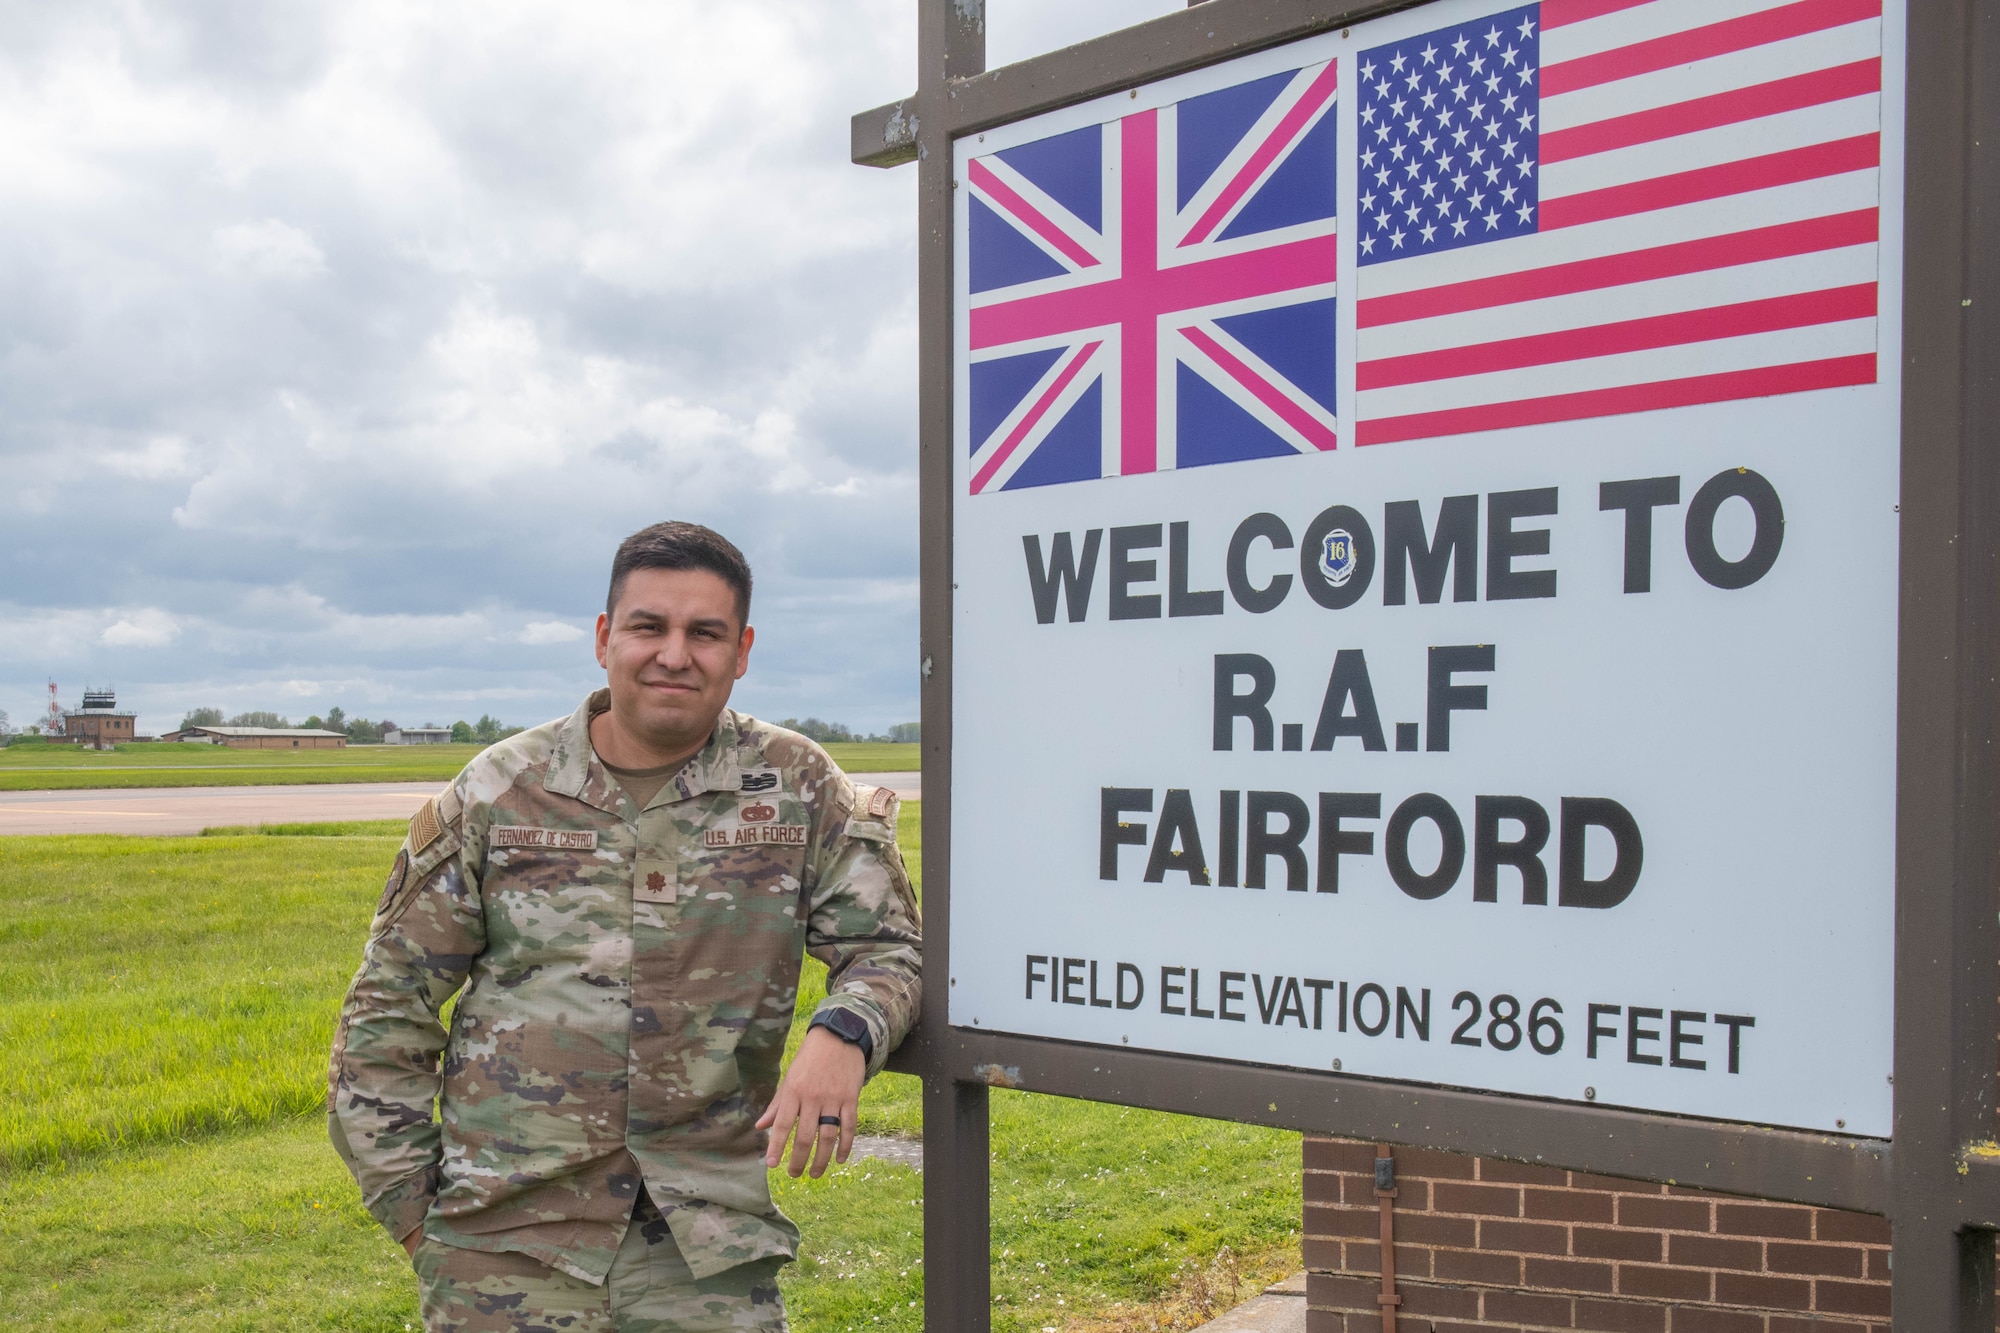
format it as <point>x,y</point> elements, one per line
<point>55,722</point>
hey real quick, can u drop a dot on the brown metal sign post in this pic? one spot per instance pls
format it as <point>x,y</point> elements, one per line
<point>1930,1177</point>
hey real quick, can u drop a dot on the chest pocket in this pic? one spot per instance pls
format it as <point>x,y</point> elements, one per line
<point>542,897</point>
<point>537,871</point>
<point>753,861</point>
<point>750,855</point>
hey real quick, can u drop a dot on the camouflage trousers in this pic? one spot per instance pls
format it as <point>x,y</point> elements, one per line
<point>649,1290</point>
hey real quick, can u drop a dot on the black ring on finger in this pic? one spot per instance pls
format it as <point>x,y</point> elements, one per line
<point>833,1120</point>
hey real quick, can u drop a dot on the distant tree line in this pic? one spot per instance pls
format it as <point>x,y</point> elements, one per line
<point>826,733</point>
<point>488,729</point>
<point>485,731</point>
<point>358,730</point>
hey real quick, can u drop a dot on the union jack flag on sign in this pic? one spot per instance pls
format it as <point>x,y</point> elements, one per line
<point>1158,291</point>
<point>1581,208</point>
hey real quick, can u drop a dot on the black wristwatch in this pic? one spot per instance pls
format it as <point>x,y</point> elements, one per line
<point>847,1025</point>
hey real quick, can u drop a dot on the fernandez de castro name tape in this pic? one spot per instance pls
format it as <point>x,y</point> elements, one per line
<point>569,840</point>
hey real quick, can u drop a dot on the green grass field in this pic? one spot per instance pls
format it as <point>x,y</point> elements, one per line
<point>165,1010</point>
<point>64,767</point>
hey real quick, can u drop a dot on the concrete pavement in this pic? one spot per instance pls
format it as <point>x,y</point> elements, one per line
<point>169,811</point>
<point>1280,1309</point>
<point>909,786</point>
<point>172,811</point>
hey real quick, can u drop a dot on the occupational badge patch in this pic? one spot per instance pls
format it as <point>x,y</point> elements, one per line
<point>757,826</point>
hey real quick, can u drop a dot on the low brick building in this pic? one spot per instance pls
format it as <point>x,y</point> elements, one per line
<point>99,729</point>
<point>261,738</point>
<point>1488,1245</point>
<point>99,723</point>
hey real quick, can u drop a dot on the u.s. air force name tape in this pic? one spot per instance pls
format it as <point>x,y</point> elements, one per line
<point>781,835</point>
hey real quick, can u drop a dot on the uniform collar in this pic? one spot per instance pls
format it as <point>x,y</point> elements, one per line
<point>716,767</point>
<point>575,770</point>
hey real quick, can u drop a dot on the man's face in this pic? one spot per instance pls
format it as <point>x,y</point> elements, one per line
<point>671,648</point>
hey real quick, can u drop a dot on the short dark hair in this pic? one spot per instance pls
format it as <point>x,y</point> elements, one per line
<point>678,545</point>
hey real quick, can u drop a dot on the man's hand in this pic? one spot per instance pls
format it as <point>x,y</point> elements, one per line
<point>411,1241</point>
<point>824,1080</point>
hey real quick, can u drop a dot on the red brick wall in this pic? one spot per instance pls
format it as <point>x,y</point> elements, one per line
<point>1491,1245</point>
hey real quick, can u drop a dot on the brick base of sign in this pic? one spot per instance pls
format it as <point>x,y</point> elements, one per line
<point>1486,1245</point>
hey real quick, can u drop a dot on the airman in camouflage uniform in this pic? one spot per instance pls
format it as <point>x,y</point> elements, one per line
<point>625,981</point>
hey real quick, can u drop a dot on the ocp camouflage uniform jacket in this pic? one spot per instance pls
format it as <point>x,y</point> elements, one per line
<point>628,984</point>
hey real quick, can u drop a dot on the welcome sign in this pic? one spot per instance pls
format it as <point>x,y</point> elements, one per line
<point>1425,546</point>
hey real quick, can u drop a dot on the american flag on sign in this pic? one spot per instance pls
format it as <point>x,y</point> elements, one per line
<point>1158,291</point>
<point>1590,207</point>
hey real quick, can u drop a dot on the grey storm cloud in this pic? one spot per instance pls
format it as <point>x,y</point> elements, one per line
<point>341,343</point>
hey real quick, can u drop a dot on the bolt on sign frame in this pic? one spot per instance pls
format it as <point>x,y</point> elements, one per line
<point>1937,1177</point>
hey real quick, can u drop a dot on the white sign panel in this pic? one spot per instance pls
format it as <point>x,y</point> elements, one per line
<point>1425,550</point>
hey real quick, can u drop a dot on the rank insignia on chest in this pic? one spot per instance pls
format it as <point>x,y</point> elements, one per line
<point>654,882</point>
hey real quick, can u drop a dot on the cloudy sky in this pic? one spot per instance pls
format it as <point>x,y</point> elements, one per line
<point>340,343</point>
